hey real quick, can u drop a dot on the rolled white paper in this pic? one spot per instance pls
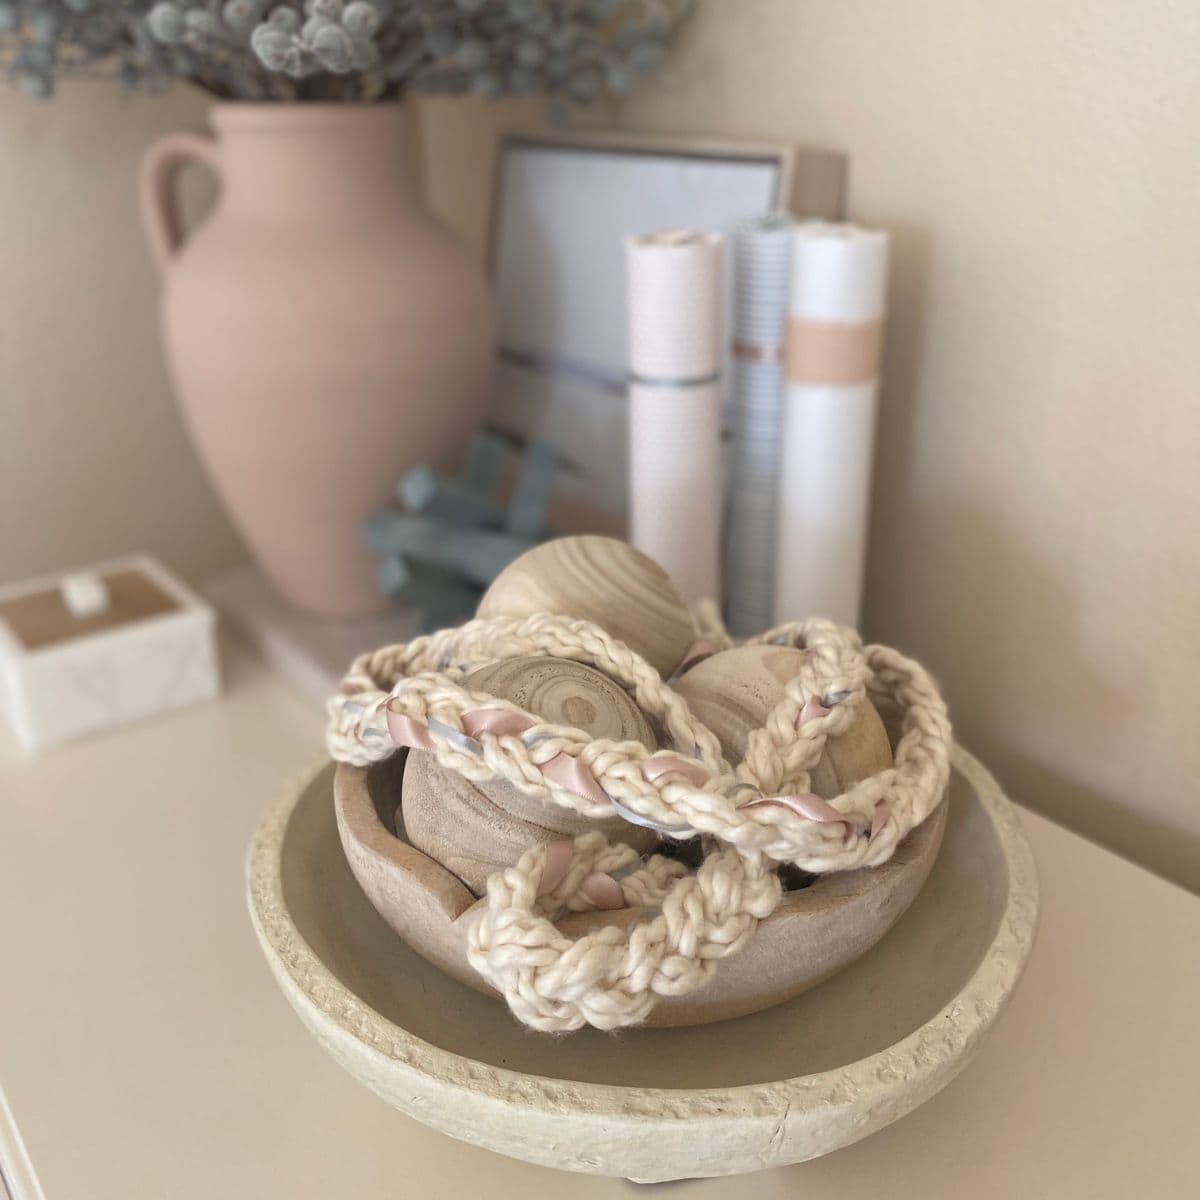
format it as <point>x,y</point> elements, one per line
<point>762,257</point>
<point>839,280</point>
<point>675,406</point>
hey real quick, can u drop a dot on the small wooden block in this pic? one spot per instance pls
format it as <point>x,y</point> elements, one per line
<point>603,580</point>
<point>733,693</point>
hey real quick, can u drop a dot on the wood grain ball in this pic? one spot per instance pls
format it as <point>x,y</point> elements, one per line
<point>476,829</point>
<point>734,691</point>
<point>603,580</point>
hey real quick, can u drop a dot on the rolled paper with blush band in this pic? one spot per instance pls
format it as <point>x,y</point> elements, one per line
<point>839,278</point>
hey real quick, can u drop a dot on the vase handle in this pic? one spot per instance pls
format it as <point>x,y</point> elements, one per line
<point>157,197</point>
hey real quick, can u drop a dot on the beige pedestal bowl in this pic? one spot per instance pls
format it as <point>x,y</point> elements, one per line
<point>815,932</point>
<point>786,1084</point>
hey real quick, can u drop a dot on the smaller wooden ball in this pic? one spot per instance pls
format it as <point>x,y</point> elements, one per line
<point>474,829</point>
<point>603,580</point>
<point>734,691</point>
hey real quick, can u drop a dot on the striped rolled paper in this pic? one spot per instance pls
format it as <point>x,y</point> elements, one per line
<point>675,488</point>
<point>762,260</point>
<point>839,279</point>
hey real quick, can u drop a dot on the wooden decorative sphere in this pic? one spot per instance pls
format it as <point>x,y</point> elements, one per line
<point>734,691</point>
<point>476,829</point>
<point>603,580</point>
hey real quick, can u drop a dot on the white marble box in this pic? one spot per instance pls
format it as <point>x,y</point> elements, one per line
<point>151,649</point>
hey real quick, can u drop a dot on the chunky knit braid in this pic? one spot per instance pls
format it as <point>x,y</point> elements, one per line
<point>757,815</point>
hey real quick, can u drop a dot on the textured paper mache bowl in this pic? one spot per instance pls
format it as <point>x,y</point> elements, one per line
<point>789,1083</point>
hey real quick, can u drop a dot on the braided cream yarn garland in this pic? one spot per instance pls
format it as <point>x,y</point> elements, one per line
<point>752,816</point>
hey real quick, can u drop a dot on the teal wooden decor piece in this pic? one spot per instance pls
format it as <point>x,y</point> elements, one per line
<point>450,536</point>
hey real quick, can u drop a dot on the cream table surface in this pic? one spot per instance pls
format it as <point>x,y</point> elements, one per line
<point>145,1050</point>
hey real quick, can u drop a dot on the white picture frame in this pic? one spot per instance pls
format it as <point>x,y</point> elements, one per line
<point>562,208</point>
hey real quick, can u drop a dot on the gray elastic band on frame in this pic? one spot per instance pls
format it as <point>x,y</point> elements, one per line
<point>682,382</point>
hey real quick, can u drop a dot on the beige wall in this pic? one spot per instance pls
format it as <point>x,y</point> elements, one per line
<point>94,458</point>
<point>1036,530</point>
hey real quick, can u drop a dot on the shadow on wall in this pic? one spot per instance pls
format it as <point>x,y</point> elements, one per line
<point>1042,709</point>
<point>999,624</point>
<point>903,359</point>
<point>1175,850</point>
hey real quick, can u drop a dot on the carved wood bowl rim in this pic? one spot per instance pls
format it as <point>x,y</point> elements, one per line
<point>372,844</point>
<point>806,1115</point>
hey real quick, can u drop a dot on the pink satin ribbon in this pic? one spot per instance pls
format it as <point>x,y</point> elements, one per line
<point>602,890</point>
<point>599,889</point>
<point>699,650</point>
<point>833,351</point>
<point>803,804</point>
<point>571,774</point>
<point>407,732</point>
<point>498,721</point>
<point>812,709</point>
<point>806,804</point>
<point>660,765</point>
<point>555,865</point>
<point>562,769</point>
<point>879,817</point>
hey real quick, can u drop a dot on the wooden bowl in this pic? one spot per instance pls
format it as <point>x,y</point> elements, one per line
<point>814,932</point>
<point>787,1084</point>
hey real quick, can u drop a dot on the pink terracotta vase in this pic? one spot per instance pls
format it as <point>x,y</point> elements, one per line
<point>324,332</point>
